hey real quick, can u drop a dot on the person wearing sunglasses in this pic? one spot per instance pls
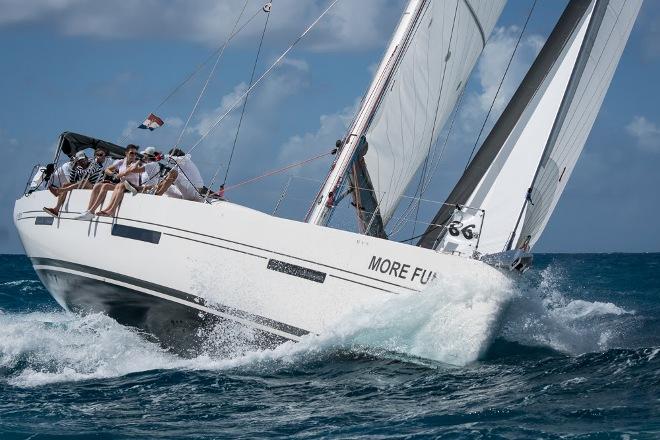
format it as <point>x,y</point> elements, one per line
<point>83,175</point>
<point>120,170</point>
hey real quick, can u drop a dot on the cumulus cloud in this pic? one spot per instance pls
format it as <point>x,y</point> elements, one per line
<point>489,72</point>
<point>260,121</point>
<point>348,26</point>
<point>646,133</point>
<point>649,25</point>
<point>331,127</point>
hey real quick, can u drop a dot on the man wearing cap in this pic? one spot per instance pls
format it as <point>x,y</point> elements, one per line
<point>62,175</point>
<point>76,176</point>
<point>149,178</point>
<point>188,181</point>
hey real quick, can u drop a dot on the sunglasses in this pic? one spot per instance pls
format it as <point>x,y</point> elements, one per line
<point>131,153</point>
<point>100,154</point>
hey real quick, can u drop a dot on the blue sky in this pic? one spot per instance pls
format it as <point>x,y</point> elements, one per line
<point>100,67</point>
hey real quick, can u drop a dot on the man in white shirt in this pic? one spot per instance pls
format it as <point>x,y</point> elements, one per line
<point>119,171</point>
<point>188,181</point>
<point>61,175</point>
<point>150,177</point>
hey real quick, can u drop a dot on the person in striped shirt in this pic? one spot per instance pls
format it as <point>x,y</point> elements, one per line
<point>81,175</point>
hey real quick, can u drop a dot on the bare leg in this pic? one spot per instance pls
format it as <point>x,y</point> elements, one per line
<point>63,192</point>
<point>117,197</point>
<point>166,183</point>
<point>94,195</point>
<point>96,199</point>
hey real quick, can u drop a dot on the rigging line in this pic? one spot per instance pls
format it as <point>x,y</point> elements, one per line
<point>263,75</point>
<point>257,82</point>
<point>192,74</point>
<point>240,121</point>
<point>278,170</point>
<point>208,78</point>
<point>499,87</point>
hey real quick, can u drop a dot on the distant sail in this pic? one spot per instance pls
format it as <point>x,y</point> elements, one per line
<point>445,43</point>
<point>538,138</point>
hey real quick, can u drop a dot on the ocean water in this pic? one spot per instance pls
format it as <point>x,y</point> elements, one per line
<point>570,350</point>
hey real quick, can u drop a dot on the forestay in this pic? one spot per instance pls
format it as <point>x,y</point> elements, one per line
<point>538,138</point>
<point>446,42</point>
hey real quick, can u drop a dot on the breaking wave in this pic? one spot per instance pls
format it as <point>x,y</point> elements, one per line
<point>451,322</point>
<point>454,321</point>
<point>544,316</point>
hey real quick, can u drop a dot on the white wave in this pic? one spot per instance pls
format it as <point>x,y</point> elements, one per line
<point>44,348</point>
<point>452,322</point>
<point>25,285</point>
<point>545,316</point>
<point>578,309</point>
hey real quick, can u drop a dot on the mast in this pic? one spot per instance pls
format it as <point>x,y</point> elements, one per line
<point>324,202</point>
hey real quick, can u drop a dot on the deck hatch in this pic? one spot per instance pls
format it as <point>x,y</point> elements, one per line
<point>136,233</point>
<point>43,221</point>
<point>296,271</point>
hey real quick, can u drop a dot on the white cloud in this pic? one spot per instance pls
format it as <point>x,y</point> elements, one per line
<point>349,25</point>
<point>489,72</point>
<point>646,133</point>
<point>260,121</point>
<point>331,127</point>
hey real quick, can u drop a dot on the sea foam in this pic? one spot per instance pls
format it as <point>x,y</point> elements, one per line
<point>452,322</point>
<point>543,315</point>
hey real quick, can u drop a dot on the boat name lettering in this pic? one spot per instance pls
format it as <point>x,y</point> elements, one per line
<point>400,270</point>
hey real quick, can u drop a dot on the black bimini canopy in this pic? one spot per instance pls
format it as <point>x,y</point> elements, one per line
<point>71,143</point>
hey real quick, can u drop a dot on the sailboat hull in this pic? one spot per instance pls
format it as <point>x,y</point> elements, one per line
<point>187,272</point>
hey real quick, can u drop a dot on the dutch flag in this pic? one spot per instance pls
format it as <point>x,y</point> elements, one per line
<point>152,122</point>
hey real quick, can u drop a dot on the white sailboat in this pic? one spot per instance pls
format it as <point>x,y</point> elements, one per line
<point>173,267</point>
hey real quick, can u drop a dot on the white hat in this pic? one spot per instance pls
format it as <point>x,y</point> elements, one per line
<point>149,151</point>
<point>81,155</point>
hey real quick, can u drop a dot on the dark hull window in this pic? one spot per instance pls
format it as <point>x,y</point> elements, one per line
<point>136,233</point>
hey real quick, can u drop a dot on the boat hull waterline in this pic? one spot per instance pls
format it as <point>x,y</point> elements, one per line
<point>176,269</point>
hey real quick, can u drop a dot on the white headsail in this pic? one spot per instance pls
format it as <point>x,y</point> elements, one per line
<point>416,87</point>
<point>524,163</point>
<point>574,123</point>
<point>448,38</point>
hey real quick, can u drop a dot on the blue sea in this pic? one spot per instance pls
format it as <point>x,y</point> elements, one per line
<point>569,350</point>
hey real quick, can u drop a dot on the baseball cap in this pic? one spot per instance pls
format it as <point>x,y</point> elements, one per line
<point>149,151</point>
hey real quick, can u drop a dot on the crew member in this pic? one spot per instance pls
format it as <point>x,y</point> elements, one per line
<point>121,169</point>
<point>78,177</point>
<point>188,180</point>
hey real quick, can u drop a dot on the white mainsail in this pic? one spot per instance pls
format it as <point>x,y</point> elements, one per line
<point>541,133</point>
<point>447,40</point>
